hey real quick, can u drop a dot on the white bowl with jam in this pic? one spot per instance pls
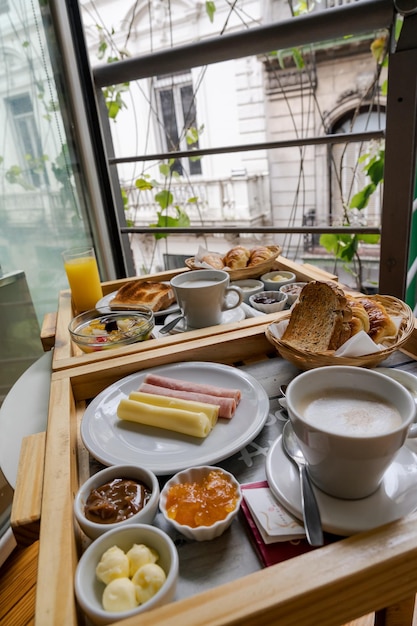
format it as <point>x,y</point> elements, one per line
<point>269,301</point>
<point>116,496</point>
<point>201,502</point>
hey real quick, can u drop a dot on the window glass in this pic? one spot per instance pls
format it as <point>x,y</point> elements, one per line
<point>41,209</point>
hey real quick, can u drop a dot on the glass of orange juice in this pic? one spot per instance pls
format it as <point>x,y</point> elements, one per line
<point>84,279</point>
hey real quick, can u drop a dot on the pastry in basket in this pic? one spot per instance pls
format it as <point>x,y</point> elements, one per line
<point>360,318</point>
<point>381,325</point>
<point>157,296</point>
<point>237,258</point>
<point>214,260</point>
<point>259,254</point>
<point>320,320</point>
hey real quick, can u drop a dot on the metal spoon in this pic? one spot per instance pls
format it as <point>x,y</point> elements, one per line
<point>311,513</point>
<point>171,325</point>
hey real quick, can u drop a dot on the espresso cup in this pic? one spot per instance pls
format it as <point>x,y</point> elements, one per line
<point>203,296</point>
<point>350,423</point>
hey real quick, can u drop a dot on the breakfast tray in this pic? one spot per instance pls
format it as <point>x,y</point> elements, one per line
<point>66,354</point>
<point>278,594</point>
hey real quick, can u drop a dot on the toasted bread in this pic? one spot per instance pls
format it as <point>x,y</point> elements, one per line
<point>157,296</point>
<point>320,320</point>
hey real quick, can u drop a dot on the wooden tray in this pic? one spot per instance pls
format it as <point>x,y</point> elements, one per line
<point>278,594</point>
<point>67,354</point>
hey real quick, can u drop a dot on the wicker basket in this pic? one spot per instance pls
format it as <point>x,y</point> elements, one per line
<point>246,272</point>
<point>305,360</point>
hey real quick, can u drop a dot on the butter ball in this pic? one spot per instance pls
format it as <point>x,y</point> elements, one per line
<point>139,555</point>
<point>114,563</point>
<point>148,580</point>
<point>119,595</point>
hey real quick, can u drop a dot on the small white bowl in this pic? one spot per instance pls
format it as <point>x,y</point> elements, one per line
<point>269,301</point>
<point>249,287</point>
<point>274,280</point>
<point>134,472</point>
<point>89,589</point>
<point>292,290</point>
<point>197,474</point>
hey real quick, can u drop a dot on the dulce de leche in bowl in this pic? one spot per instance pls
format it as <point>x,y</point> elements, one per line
<point>116,496</point>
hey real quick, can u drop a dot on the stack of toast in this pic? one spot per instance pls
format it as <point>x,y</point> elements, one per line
<point>157,296</point>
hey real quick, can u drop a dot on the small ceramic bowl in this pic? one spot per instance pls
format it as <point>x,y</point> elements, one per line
<point>274,280</point>
<point>89,589</point>
<point>249,287</point>
<point>292,290</point>
<point>101,329</point>
<point>269,301</point>
<point>94,529</point>
<point>197,475</point>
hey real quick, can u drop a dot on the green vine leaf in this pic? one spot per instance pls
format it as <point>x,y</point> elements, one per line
<point>360,200</point>
<point>164,198</point>
<point>167,221</point>
<point>210,10</point>
<point>142,184</point>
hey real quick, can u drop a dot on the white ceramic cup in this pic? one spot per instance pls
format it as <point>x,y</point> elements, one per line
<point>348,440</point>
<point>202,296</point>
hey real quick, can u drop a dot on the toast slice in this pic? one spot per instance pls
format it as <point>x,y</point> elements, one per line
<point>320,320</point>
<point>157,296</point>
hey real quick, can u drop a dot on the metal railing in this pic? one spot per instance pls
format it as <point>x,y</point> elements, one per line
<point>351,19</point>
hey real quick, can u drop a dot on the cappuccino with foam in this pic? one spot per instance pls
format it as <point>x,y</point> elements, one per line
<point>358,414</point>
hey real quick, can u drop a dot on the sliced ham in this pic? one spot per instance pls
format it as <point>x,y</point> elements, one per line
<point>184,385</point>
<point>227,406</point>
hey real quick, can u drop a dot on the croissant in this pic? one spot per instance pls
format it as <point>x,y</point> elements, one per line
<point>237,258</point>
<point>214,260</point>
<point>380,323</point>
<point>360,318</point>
<point>259,254</point>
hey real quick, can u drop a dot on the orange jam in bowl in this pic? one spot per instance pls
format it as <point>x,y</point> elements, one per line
<point>201,502</point>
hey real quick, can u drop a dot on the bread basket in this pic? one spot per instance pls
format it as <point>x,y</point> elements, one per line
<point>246,272</point>
<point>305,360</point>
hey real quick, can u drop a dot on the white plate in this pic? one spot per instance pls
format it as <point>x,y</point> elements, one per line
<point>395,497</point>
<point>104,302</point>
<point>112,441</point>
<point>232,315</point>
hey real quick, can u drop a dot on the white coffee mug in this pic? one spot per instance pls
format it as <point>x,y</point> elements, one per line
<point>350,423</point>
<point>202,296</point>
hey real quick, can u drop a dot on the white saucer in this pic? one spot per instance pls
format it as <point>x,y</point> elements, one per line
<point>396,496</point>
<point>232,315</point>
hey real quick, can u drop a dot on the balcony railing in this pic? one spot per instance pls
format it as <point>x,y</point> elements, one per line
<point>351,19</point>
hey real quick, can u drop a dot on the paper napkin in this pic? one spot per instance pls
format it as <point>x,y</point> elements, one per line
<point>271,519</point>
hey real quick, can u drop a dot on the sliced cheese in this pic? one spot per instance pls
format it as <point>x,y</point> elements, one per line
<point>180,421</point>
<point>211,410</point>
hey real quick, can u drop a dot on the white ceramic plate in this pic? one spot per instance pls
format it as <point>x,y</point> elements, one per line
<point>104,302</point>
<point>396,496</point>
<point>232,315</point>
<point>112,441</point>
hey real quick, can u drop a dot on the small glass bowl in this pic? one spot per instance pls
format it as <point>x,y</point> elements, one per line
<point>101,329</point>
<point>197,474</point>
<point>274,301</point>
